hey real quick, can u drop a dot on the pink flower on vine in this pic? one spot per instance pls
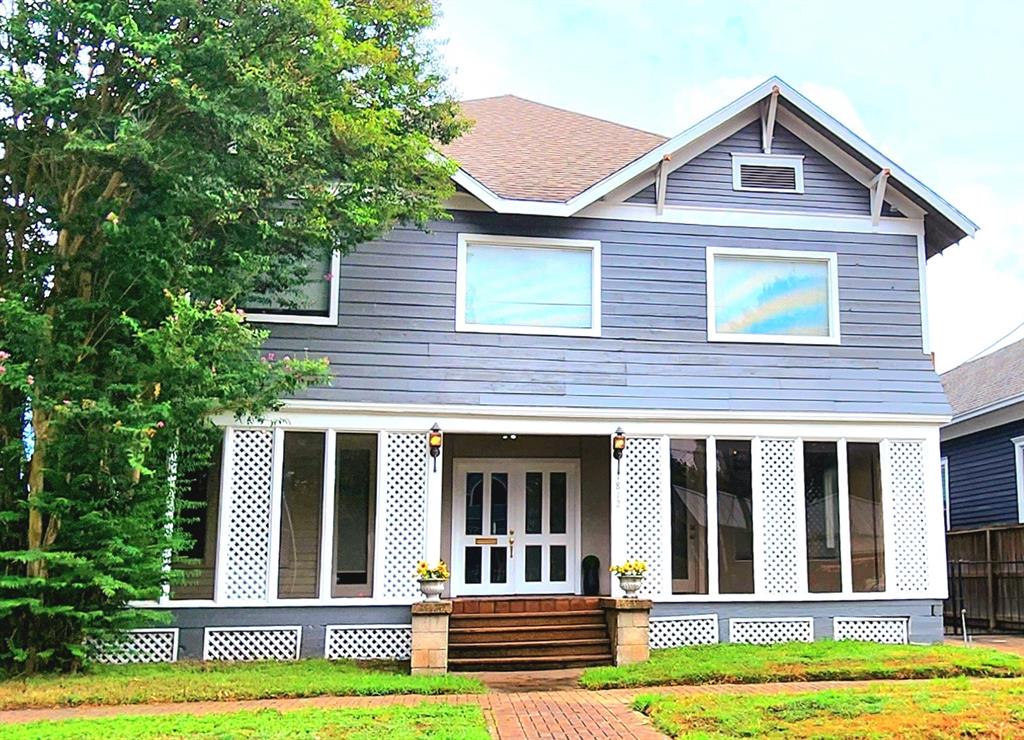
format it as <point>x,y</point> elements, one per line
<point>328,276</point>
<point>30,380</point>
<point>271,357</point>
<point>4,355</point>
<point>2,369</point>
<point>160,425</point>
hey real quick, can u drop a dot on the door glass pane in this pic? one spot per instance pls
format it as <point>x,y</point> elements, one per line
<point>867,543</point>
<point>499,567</point>
<point>355,485</point>
<point>499,503</point>
<point>534,502</point>
<point>821,507</point>
<point>302,490</point>
<point>735,518</point>
<point>533,558</point>
<point>473,565</point>
<point>557,562</point>
<point>474,503</point>
<point>689,516</point>
<point>557,503</point>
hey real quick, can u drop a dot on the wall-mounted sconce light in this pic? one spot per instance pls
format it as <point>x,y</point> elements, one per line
<point>618,447</point>
<point>434,441</point>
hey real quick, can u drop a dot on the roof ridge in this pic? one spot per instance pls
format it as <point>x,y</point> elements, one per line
<point>571,112</point>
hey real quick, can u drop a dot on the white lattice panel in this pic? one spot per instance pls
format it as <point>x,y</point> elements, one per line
<point>768,631</point>
<point>643,506</point>
<point>666,632</point>
<point>140,646</point>
<point>909,518</point>
<point>872,629</point>
<point>247,563</point>
<point>369,642</point>
<point>256,643</point>
<point>405,515</point>
<point>780,518</point>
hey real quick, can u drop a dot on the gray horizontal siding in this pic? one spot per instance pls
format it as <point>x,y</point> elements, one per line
<point>983,477</point>
<point>395,340</point>
<point>706,180</point>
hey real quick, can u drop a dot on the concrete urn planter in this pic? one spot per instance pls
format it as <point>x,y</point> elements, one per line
<point>630,584</point>
<point>432,588</point>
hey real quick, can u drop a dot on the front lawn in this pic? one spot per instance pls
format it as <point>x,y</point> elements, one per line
<point>436,721</point>
<point>943,708</point>
<point>797,661</point>
<point>188,681</point>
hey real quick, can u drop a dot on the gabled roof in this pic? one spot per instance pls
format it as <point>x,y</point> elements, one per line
<point>989,381</point>
<point>524,150</point>
<point>528,158</point>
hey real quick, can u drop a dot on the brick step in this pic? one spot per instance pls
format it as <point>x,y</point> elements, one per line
<point>567,649</point>
<point>458,635</point>
<point>519,604</point>
<point>583,616</point>
<point>547,662</point>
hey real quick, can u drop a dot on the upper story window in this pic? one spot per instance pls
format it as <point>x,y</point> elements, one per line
<point>523,285</point>
<point>768,173</point>
<point>315,301</point>
<point>772,295</point>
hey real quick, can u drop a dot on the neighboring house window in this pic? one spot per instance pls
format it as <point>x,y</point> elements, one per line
<point>769,295</point>
<point>313,302</point>
<point>528,286</point>
<point>768,173</point>
<point>944,471</point>
<point>1018,456</point>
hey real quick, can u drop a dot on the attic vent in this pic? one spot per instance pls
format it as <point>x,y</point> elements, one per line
<point>768,173</point>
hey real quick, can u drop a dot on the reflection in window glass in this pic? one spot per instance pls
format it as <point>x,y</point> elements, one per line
<point>200,522</point>
<point>867,543</point>
<point>557,553</point>
<point>499,503</point>
<point>355,496</point>
<point>735,518</point>
<point>474,566</point>
<point>474,503</point>
<point>534,502</point>
<point>821,508</point>
<point>311,298</point>
<point>499,564</point>
<point>302,487</point>
<point>533,558</point>
<point>689,516</point>
<point>556,516</point>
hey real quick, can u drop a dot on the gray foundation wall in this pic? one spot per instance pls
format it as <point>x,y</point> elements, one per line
<point>925,614</point>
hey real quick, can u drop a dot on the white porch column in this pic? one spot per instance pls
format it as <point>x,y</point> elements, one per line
<point>435,476</point>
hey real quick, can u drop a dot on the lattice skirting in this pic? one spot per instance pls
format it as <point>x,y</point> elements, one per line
<point>767,631</point>
<point>159,645</point>
<point>666,632</point>
<point>893,630</point>
<point>368,641</point>
<point>251,643</point>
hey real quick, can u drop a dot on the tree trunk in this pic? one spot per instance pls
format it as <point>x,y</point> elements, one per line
<point>38,534</point>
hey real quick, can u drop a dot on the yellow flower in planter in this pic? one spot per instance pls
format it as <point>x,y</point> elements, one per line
<point>630,568</point>
<point>438,573</point>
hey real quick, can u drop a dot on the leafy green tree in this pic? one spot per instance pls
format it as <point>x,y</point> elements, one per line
<point>162,161</point>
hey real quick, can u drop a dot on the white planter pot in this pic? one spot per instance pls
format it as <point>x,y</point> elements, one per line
<point>630,585</point>
<point>432,588</point>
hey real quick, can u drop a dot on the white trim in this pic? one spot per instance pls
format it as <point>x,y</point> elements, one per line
<point>922,277</point>
<point>1018,458</point>
<point>593,246</point>
<point>224,510</point>
<point>708,125</point>
<point>845,543</point>
<point>935,531</point>
<point>331,319</point>
<point>944,469</point>
<point>756,514</point>
<point>665,496</point>
<point>711,472</point>
<point>829,258</point>
<point>800,523</point>
<point>327,516</point>
<point>791,161</point>
<point>976,420</point>
<point>276,496</point>
<point>379,516</point>
<point>261,628</point>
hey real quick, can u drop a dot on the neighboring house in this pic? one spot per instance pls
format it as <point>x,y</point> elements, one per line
<point>983,446</point>
<point>744,300</point>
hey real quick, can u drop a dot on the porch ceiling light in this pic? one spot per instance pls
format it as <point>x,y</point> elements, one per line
<point>434,441</point>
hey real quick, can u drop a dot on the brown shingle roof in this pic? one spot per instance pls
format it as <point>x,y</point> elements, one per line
<point>987,380</point>
<point>524,150</point>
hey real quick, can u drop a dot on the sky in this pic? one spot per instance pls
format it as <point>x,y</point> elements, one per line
<point>936,86</point>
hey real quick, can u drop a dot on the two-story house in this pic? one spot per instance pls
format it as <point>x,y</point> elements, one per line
<point>744,301</point>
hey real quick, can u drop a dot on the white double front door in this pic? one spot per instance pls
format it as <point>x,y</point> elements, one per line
<point>515,526</point>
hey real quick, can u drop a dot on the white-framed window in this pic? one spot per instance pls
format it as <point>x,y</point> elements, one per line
<point>526,285</point>
<point>314,302</point>
<point>768,173</point>
<point>1018,458</point>
<point>772,295</point>
<point>944,473</point>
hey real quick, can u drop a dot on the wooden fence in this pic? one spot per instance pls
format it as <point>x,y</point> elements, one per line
<point>986,578</point>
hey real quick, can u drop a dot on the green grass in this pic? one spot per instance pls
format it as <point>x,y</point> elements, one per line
<point>187,681</point>
<point>796,661</point>
<point>945,708</point>
<point>437,721</point>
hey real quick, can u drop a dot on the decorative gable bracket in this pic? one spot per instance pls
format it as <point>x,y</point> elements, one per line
<point>877,188</point>
<point>768,110</point>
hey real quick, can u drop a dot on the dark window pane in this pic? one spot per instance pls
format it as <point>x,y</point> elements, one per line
<point>867,543</point>
<point>199,521</point>
<point>735,518</point>
<point>499,566</point>
<point>311,298</point>
<point>474,503</point>
<point>473,567</point>
<point>499,503</point>
<point>821,506</point>
<point>302,487</point>
<point>689,516</point>
<point>557,562</point>
<point>355,496</point>
<point>533,558</point>
<point>534,502</point>
<point>557,503</point>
